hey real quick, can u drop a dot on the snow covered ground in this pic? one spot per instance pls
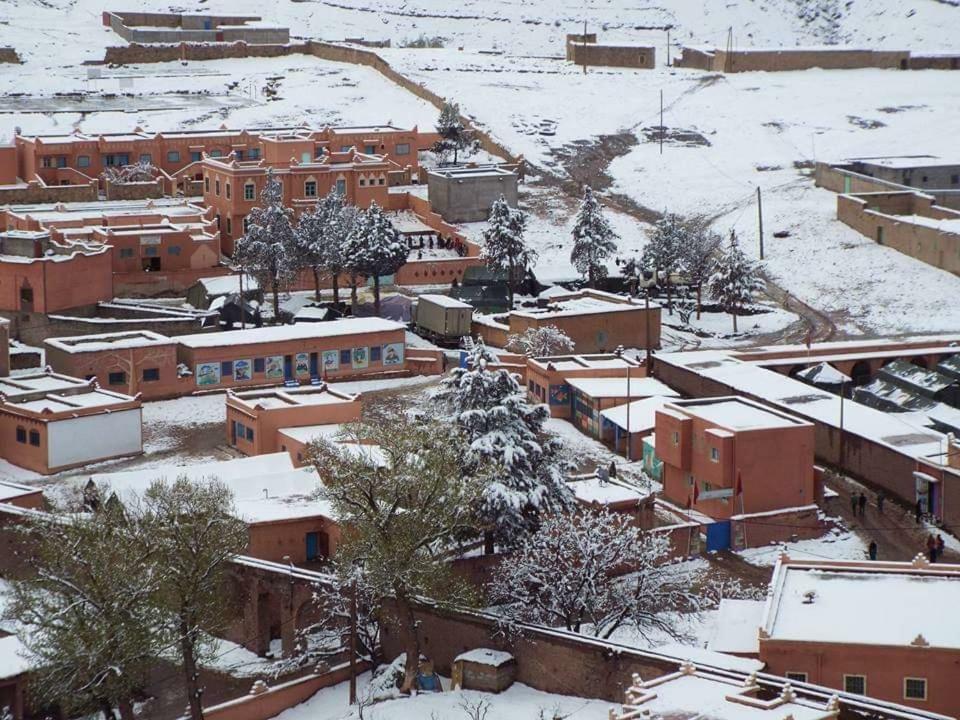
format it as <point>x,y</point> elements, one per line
<point>837,544</point>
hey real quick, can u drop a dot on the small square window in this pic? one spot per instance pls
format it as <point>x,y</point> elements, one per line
<point>402,149</point>
<point>375,353</point>
<point>196,156</point>
<point>61,162</point>
<point>381,181</point>
<point>117,378</point>
<point>226,368</point>
<point>35,438</point>
<point>714,454</point>
<point>258,365</point>
<point>173,156</point>
<point>126,252</point>
<point>363,182</point>
<point>796,676</point>
<point>151,252</point>
<point>83,161</point>
<point>856,684</point>
<point>250,434</point>
<point>151,374</point>
<point>369,149</point>
<point>345,358</point>
<point>254,153</point>
<point>676,438</point>
<point>310,189</point>
<point>216,153</point>
<point>21,435</point>
<point>914,688</point>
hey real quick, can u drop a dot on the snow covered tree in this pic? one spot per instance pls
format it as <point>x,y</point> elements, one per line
<point>313,235</point>
<point>664,252</point>
<point>84,606</point>
<point>541,342</point>
<point>454,136</point>
<point>504,248</point>
<point>194,533</point>
<point>269,249</point>
<point>505,432</point>
<point>142,171</point>
<point>593,573</point>
<point>375,248</point>
<point>593,239</point>
<point>735,279</point>
<point>400,519</point>
<point>699,255</point>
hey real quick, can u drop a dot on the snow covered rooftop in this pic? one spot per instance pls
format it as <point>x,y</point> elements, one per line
<point>738,627</point>
<point>13,660</point>
<point>864,603</point>
<point>445,301</point>
<point>641,416</point>
<point>10,490</point>
<point>570,363</point>
<point>109,341</point>
<point>44,393</point>
<point>584,302</point>
<point>277,398</point>
<point>735,413</point>
<point>226,284</point>
<point>617,387</point>
<point>485,656</point>
<point>605,492</point>
<point>823,374</point>
<point>281,333</point>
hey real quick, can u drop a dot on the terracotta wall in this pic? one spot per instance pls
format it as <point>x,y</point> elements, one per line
<point>599,332</point>
<point>56,284</point>
<point>132,362</point>
<point>626,56</point>
<point>762,530</point>
<point>275,540</point>
<point>267,421</point>
<point>34,192</point>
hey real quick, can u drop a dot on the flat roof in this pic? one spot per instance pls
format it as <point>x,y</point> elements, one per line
<point>568,363</point>
<point>641,416</point>
<point>605,492</point>
<point>865,604</point>
<point>616,387</point>
<point>446,301</point>
<point>738,627</point>
<point>736,413</point>
<point>109,341</point>
<point>10,490</point>
<point>584,305</point>
<point>281,333</point>
<point>305,395</point>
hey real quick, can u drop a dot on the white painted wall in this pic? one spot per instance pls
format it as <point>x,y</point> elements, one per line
<point>94,437</point>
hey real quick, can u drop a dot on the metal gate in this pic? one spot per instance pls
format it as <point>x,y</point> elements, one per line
<point>718,536</point>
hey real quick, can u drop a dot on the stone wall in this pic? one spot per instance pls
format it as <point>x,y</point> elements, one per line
<point>625,56</point>
<point>934,62</point>
<point>34,192</point>
<point>841,179</point>
<point>9,55</point>
<point>134,190</point>
<point>787,59</point>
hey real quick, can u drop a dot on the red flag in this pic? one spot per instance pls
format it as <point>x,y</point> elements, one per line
<point>739,484</point>
<point>696,492</point>
<point>688,502</point>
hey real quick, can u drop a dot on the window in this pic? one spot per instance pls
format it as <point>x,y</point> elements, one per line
<point>363,181</point>
<point>151,374</point>
<point>375,353</point>
<point>369,149</point>
<point>345,358</point>
<point>914,688</point>
<point>249,191</point>
<point>206,184</point>
<point>216,153</point>
<point>61,161</point>
<point>341,186</point>
<point>117,160</point>
<point>126,252</point>
<point>173,156</point>
<point>254,154</point>
<point>246,224</point>
<point>249,434</point>
<point>173,250</point>
<point>83,161</point>
<point>216,187</point>
<point>226,368</point>
<point>35,438</point>
<point>924,178</point>
<point>310,188</point>
<point>714,454</point>
<point>21,435</point>
<point>150,251</point>
<point>117,378</point>
<point>856,684</point>
<point>345,148</point>
<point>381,180</point>
<point>796,676</point>
<point>227,189</point>
<point>146,158</point>
<point>402,149</point>
<point>676,438</point>
<point>196,156</point>
<point>305,157</point>
<point>229,227</point>
<point>955,179</point>
<point>258,365</point>
<point>238,154</point>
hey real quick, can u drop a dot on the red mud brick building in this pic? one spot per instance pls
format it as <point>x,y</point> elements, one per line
<point>256,417</point>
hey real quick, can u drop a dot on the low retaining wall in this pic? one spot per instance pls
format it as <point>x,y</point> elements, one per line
<point>841,180</point>
<point>156,284</point>
<point>134,190</point>
<point>760,529</point>
<point>34,192</point>
<point>625,56</point>
<point>495,335</point>
<point>424,361</point>
<point>34,328</point>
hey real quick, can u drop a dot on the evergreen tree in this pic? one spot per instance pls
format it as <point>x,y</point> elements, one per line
<point>454,136</point>
<point>735,279</point>
<point>84,606</point>
<point>269,249</point>
<point>699,254</point>
<point>506,433</point>
<point>314,237</point>
<point>543,341</point>
<point>664,252</point>
<point>504,248</point>
<point>593,239</point>
<point>375,248</point>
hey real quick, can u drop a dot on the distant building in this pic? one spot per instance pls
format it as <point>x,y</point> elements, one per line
<point>882,629</point>
<point>465,194</point>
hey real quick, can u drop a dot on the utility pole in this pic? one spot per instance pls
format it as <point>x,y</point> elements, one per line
<point>646,329</point>
<point>662,128</point>
<point>668,47</point>
<point>353,643</point>
<point>760,218</point>
<point>584,44</point>
<point>628,411</point>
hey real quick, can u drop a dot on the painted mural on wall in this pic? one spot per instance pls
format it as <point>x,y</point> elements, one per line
<point>393,354</point>
<point>273,367</point>
<point>301,365</point>
<point>331,359</point>
<point>242,370</point>
<point>560,394</point>
<point>208,373</point>
<point>360,358</point>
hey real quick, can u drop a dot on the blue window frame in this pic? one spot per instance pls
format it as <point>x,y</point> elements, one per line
<point>259,364</point>
<point>226,369</point>
<point>254,154</point>
<point>196,156</point>
<point>344,358</point>
<point>250,434</point>
<point>21,435</point>
<point>375,353</point>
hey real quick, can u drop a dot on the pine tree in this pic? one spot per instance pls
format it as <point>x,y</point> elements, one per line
<point>735,279</point>
<point>593,239</point>
<point>269,249</point>
<point>504,247</point>
<point>314,236</point>
<point>375,248</point>
<point>454,136</point>
<point>504,431</point>
<point>699,255</point>
<point>664,253</point>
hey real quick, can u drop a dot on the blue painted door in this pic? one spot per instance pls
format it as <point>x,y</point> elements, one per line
<point>312,545</point>
<point>288,367</point>
<point>718,536</point>
<point>314,364</point>
<point>207,24</point>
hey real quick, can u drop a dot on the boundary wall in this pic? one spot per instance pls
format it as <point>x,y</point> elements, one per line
<point>790,59</point>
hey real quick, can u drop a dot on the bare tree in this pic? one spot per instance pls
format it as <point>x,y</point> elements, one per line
<point>541,342</point>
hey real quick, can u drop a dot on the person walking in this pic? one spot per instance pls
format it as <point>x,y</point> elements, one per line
<point>880,500</point>
<point>853,503</point>
<point>918,511</point>
<point>873,550</point>
<point>862,503</point>
<point>940,546</point>
<point>931,548</point>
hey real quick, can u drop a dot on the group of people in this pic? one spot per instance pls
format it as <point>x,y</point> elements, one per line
<point>858,503</point>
